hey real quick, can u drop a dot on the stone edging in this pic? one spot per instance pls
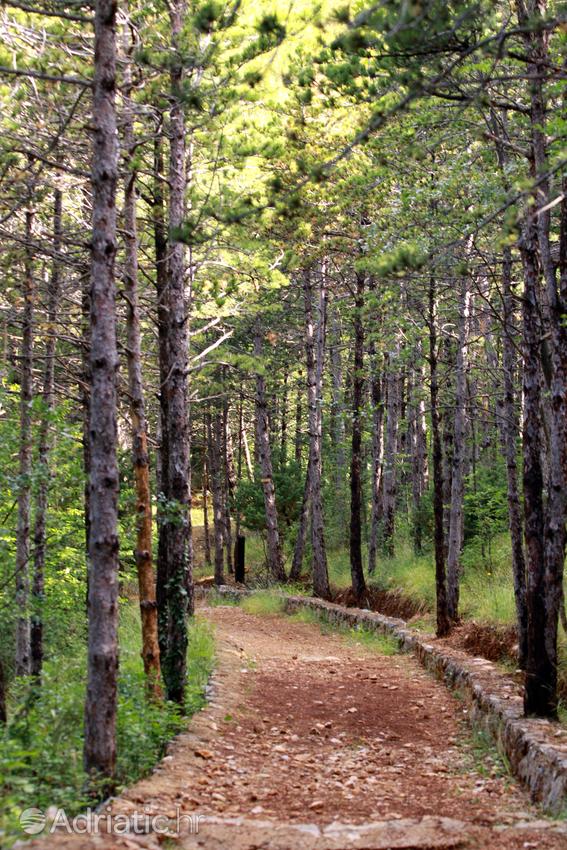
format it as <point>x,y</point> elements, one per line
<point>536,750</point>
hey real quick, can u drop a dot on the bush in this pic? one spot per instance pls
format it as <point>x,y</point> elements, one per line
<point>41,759</point>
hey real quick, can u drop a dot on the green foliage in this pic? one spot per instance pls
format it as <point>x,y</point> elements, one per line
<point>263,602</point>
<point>485,507</point>
<point>288,484</point>
<point>41,747</point>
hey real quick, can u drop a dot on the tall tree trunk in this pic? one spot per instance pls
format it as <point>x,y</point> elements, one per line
<point>247,455</point>
<point>298,441</point>
<point>314,350</point>
<point>215,441</point>
<point>205,489</point>
<point>337,423</point>
<point>44,446</point>
<point>356,569</point>
<point>541,673</point>
<point>442,615</point>
<point>419,460</point>
<point>539,693</point>
<point>179,589</point>
<point>510,431</point>
<point>283,423</point>
<point>274,553</point>
<point>160,247</point>
<point>299,549</point>
<point>229,483</point>
<point>23,630</point>
<point>392,380</point>
<point>377,460</point>
<point>455,540</point>
<point>102,661</point>
<point>140,458</point>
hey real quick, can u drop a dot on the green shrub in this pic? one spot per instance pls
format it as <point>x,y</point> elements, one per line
<point>41,747</point>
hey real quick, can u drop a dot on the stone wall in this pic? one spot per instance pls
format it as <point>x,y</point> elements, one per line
<point>536,750</point>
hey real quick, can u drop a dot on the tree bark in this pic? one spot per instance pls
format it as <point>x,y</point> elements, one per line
<point>337,423</point>
<point>377,454</point>
<point>160,247</point>
<point>455,538</point>
<point>510,431</point>
<point>44,447</point>
<point>23,629</point>
<point>314,350</point>
<point>356,569</point>
<point>102,661</point>
<point>541,669</point>
<point>442,616</point>
<point>299,548</point>
<point>140,458</point>
<point>205,489</point>
<point>298,441</point>
<point>274,553</point>
<point>229,483</point>
<point>540,675</point>
<point>392,381</point>
<point>179,589</point>
<point>215,441</point>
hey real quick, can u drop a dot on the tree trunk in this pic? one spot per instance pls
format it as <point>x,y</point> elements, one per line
<point>298,441</point>
<point>102,661</point>
<point>179,567</point>
<point>299,549</point>
<point>455,540</point>
<point>541,671</point>
<point>140,459</point>
<point>205,489</point>
<point>337,423</point>
<point>314,350</point>
<point>356,569</point>
<point>274,553</point>
<point>229,483</point>
<point>160,247</point>
<point>215,441</point>
<point>443,622</point>
<point>23,632</point>
<point>510,430</point>
<point>377,405</point>
<point>392,380</point>
<point>283,423</point>
<point>539,692</point>
<point>44,446</point>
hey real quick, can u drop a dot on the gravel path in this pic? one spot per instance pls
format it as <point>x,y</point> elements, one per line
<point>313,742</point>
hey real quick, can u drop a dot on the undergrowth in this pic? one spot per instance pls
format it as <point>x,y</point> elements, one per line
<point>263,602</point>
<point>41,746</point>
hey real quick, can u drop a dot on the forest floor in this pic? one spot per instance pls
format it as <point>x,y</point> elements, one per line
<point>314,742</point>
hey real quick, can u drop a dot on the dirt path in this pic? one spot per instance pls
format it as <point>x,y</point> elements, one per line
<point>314,743</point>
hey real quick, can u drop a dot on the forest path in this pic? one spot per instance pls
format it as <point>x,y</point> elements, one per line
<point>308,733</point>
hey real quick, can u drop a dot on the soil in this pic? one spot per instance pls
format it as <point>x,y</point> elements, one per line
<point>312,742</point>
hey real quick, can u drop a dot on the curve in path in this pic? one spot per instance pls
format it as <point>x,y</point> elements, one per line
<point>311,742</point>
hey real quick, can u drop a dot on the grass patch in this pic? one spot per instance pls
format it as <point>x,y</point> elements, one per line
<point>370,639</point>
<point>41,746</point>
<point>312,618</point>
<point>263,602</point>
<point>378,642</point>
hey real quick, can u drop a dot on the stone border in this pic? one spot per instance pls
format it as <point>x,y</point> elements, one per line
<point>536,750</point>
